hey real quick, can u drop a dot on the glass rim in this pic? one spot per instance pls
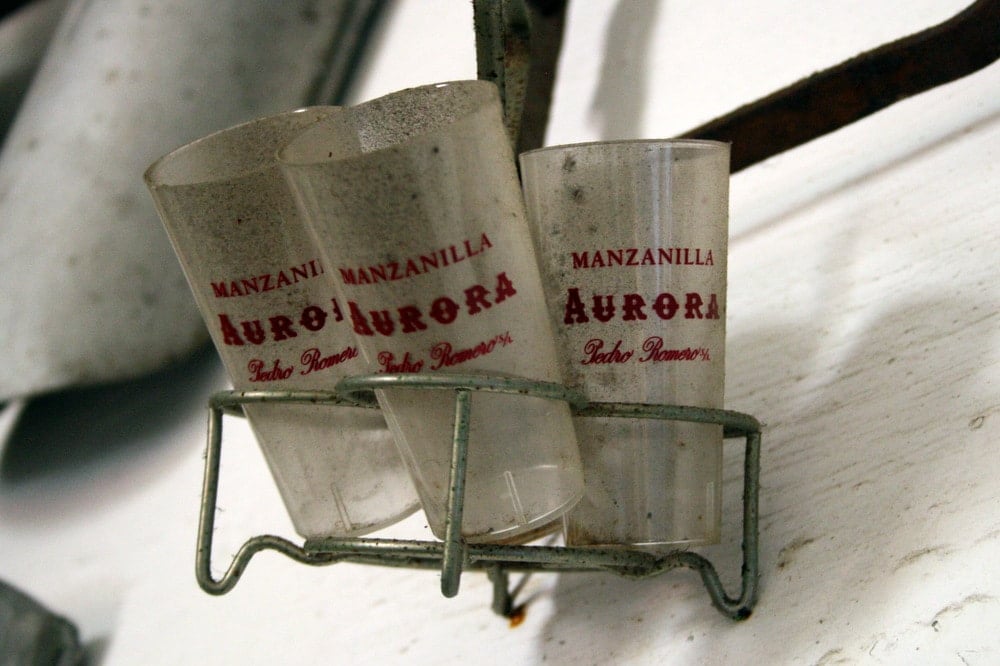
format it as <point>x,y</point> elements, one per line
<point>154,174</point>
<point>488,94</point>
<point>665,143</point>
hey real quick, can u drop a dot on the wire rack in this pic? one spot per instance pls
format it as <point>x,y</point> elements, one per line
<point>452,556</point>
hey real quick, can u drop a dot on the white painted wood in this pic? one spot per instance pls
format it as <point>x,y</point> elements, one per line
<point>863,330</point>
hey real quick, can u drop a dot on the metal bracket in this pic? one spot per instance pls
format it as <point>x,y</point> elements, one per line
<point>453,555</point>
<point>845,93</point>
<point>518,43</point>
<point>517,48</point>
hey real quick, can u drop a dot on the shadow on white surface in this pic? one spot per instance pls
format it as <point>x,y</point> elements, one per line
<point>864,503</point>
<point>620,96</point>
<point>74,451</point>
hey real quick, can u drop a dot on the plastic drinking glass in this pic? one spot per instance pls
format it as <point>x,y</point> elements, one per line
<point>415,204</point>
<point>269,305</point>
<point>632,239</point>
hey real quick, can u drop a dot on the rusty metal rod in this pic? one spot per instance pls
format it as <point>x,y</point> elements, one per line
<point>833,98</point>
<point>517,48</point>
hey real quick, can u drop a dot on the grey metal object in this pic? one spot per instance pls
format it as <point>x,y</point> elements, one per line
<point>32,635</point>
<point>502,54</point>
<point>517,48</point>
<point>453,555</point>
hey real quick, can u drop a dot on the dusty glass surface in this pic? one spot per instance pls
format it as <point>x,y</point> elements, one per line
<point>265,295</point>
<point>632,240</point>
<point>416,206</point>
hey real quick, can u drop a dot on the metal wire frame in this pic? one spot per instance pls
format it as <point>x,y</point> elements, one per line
<point>518,42</point>
<point>453,555</point>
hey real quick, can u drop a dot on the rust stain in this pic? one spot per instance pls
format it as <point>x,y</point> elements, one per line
<point>517,616</point>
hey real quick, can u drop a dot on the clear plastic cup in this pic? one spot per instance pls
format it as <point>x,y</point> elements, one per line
<point>268,302</point>
<point>416,206</point>
<point>632,239</point>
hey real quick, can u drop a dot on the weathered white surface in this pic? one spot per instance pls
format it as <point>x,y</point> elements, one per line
<point>863,329</point>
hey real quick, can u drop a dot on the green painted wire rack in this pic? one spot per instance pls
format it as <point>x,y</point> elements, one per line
<point>452,555</point>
